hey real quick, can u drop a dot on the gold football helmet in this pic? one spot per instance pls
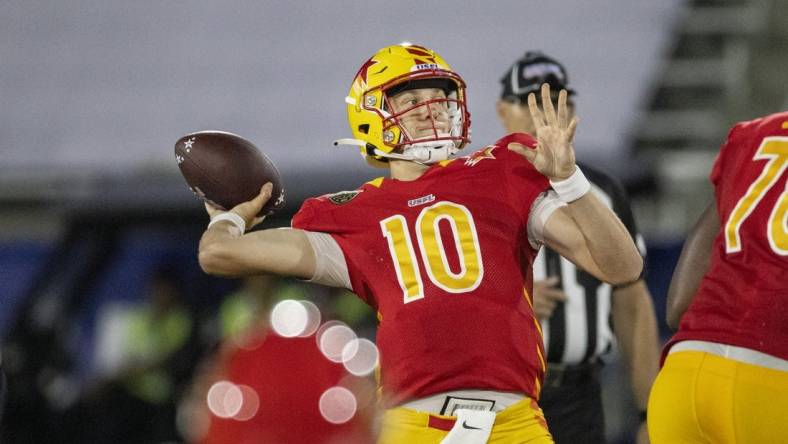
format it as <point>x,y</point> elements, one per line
<point>377,128</point>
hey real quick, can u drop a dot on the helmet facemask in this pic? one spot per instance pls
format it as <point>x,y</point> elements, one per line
<point>437,143</point>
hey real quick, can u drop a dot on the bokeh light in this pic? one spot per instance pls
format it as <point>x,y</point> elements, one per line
<point>224,399</point>
<point>289,318</point>
<point>337,405</point>
<point>313,318</point>
<point>250,403</point>
<point>360,356</point>
<point>332,338</point>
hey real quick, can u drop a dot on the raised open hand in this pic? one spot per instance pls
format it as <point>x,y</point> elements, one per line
<point>554,155</point>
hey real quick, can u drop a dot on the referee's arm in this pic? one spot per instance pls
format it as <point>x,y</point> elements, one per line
<point>634,321</point>
<point>635,327</point>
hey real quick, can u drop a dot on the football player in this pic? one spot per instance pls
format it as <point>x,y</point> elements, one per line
<point>442,249</point>
<point>725,372</point>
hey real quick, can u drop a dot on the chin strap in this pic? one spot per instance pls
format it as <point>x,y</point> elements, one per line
<point>426,153</point>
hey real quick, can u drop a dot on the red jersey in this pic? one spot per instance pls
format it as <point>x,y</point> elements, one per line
<point>743,298</point>
<point>446,262</point>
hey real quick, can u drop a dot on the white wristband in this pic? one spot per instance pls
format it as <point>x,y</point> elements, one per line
<point>573,187</point>
<point>231,217</point>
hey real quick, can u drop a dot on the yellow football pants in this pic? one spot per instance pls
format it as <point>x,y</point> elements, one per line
<point>522,422</point>
<point>699,397</point>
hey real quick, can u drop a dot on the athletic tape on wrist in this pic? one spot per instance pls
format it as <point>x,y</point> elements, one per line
<point>231,217</point>
<point>573,187</point>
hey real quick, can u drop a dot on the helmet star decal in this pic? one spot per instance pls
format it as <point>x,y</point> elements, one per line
<point>478,156</point>
<point>363,71</point>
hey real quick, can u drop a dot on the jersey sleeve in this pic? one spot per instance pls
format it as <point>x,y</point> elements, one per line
<point>317,215</point>
<point>543,207</point>
<point>310,217</point>
<point>330,265</point>
<point>719,162</point>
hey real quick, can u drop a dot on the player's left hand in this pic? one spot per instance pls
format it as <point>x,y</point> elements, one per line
<point>554,155</point>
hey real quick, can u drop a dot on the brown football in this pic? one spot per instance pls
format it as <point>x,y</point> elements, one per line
<point>225,170</point>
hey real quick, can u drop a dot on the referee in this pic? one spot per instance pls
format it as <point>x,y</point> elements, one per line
<point>575,309</point>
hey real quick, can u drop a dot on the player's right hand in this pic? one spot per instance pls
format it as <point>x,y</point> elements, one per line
<point>554,154</point>
<point>547,296</point>
<point>247,210</point>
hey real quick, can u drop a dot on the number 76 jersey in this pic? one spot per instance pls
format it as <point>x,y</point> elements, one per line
<point>743,298</point>
<point>446,262</point>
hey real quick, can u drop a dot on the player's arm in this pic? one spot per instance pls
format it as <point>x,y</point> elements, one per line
<point>589,234</point>
<point>692,265</point>
<point>226,251</point>
<point>584,231</point>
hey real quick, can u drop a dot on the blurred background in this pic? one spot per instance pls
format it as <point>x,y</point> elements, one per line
<point>106,319</point>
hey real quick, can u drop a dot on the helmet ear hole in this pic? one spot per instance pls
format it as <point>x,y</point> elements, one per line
<point>364,128</point>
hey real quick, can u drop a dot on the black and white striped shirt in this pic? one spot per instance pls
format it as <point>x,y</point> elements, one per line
<point>579,329</point>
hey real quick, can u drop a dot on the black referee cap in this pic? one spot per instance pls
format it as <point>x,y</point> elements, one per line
<point>528,73</point>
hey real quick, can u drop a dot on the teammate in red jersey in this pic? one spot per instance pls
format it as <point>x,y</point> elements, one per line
<point>290,375</point>
<point>725,373</point>
<point>442,249</point>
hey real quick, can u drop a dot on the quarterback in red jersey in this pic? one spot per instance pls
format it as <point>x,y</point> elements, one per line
<point>731,349</point>
<point>443,249</point>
